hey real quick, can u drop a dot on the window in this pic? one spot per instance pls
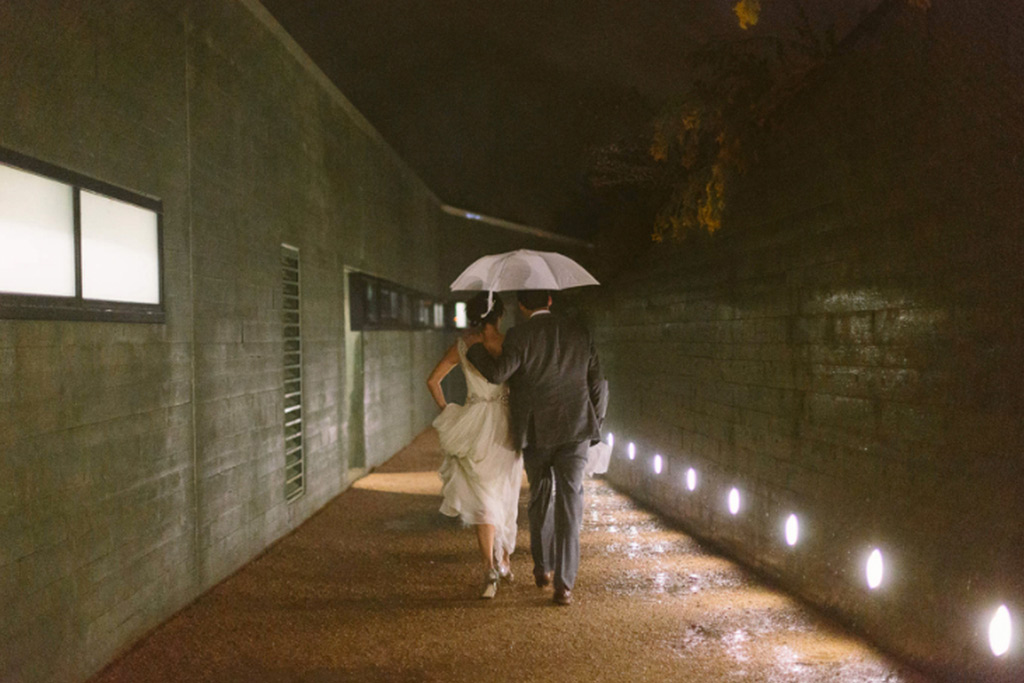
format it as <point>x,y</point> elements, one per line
<point>37,233</point>
<point>377,304</point>
<point>424,313</point>
<point>76,248</point>
<point>459,319</point>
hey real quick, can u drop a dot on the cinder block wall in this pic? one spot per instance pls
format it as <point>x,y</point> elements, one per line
<point>276,158</point>
<point>141,464</point>
<point>396,366</point>
<point>97,502</point>
<point>849,348</point>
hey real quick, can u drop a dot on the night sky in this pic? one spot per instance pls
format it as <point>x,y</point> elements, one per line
<point>498,105</point>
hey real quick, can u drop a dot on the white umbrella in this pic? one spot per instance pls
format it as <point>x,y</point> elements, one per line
<point>522,269</point>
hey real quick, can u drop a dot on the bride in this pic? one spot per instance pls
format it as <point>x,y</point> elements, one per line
<point>482,470</point>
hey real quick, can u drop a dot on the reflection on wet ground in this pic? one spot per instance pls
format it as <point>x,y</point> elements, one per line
<point>735,626</point>
<point>380,587</point>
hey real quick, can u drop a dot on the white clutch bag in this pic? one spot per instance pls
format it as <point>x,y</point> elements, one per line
<point>597,459</point>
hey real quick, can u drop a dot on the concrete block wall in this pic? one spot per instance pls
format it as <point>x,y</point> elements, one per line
<point>394,387</point>
<point>143,463</point>
<point>848,348</point>
<point>277,158</point>
<point>97,541</point>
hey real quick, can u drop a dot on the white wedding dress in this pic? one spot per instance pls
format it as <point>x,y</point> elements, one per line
<point>482,470</point>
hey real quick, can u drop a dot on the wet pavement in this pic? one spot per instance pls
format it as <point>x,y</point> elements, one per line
<point>379,586</point>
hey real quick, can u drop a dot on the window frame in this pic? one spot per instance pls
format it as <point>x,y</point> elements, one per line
<point>376,304</point>
<point>16,306</point>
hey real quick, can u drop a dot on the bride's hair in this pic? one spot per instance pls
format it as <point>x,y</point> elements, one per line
<point>476,310</point>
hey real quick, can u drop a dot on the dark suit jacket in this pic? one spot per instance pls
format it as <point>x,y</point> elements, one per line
<point>556,390</point>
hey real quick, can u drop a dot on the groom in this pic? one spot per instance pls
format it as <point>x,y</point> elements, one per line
<point>557,407</point>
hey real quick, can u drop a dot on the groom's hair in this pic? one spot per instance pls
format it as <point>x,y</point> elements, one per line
<point>533,299</point>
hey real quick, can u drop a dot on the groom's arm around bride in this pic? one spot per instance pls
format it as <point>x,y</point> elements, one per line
<point>557,391</point>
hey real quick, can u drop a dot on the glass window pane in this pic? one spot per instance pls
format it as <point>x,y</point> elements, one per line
<point>120,259</point>
<point>37,234</point>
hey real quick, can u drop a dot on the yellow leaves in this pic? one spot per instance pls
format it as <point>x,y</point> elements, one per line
<point>710,211</point>
<point>696,207</point>
<point>749,11</point>
<point>672,224</point>
<point>711,136</point>
<point>697,146</point>
<point>730,152</point>
<point>678,132</point>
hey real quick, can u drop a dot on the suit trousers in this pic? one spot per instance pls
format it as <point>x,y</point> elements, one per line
<point>556,508</point>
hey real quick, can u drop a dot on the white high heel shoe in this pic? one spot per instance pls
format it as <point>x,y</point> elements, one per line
<point>505,573</point>
<point>490,585</point>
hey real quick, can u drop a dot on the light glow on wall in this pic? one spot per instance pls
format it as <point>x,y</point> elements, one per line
<point>875,569</point>
<point>461,321</point>
<point>1000,631</point>
<point>657,464</point>
<point>631,449</point>
<point>611,440</point>
<point>792,530</point>
<point>734,501</point>
<point>691,479</point>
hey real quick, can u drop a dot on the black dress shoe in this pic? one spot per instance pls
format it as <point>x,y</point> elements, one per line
<point>543,580</point>
<point>563,596</point>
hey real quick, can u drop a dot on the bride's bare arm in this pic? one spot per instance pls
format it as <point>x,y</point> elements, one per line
<point>447,362</point>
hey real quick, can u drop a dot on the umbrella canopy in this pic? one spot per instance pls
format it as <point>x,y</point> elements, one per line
<point>522,269</point>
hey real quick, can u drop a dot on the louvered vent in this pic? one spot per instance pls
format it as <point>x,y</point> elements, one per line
<point>294,459</point>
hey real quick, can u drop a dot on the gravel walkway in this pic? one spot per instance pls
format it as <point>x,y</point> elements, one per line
<point>379,586</point>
